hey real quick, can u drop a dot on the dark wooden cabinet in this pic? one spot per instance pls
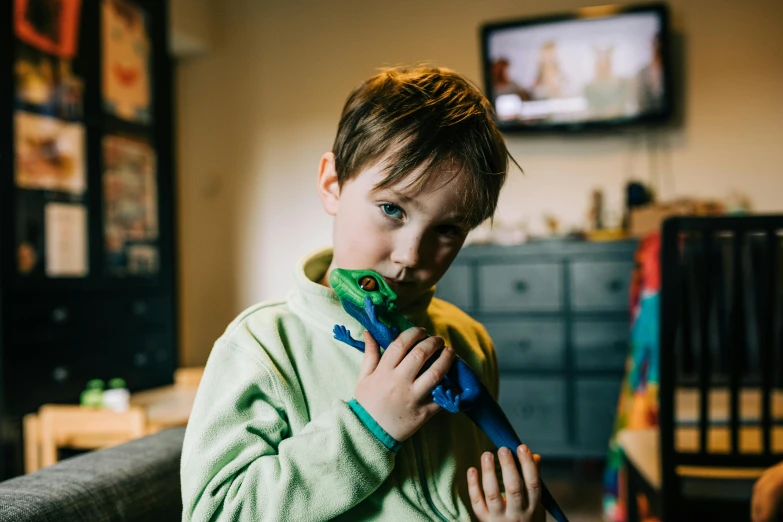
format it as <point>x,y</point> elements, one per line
<point>558,314</point>
<point>87,249</point>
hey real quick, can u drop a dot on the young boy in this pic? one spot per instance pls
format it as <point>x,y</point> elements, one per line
<point>291,424</point>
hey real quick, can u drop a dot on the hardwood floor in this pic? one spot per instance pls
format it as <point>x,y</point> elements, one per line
<point>578,489</point>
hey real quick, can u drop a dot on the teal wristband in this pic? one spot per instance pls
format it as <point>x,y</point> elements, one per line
<point>387,440</point>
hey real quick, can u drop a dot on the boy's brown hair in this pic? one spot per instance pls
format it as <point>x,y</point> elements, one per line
<point>435,118</point>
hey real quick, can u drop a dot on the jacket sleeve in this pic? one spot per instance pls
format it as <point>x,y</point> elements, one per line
<point>240,462</point>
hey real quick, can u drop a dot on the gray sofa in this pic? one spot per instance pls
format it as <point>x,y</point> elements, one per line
<point>137,481</point>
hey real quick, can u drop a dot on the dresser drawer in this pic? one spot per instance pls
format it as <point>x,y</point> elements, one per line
<point>600,345</point>
<point>48,315</point>
<point>456,286</point>
<point>600,285</point>
<point>51,372</point>
<point>536,409</point>
<point>145,360</point>
<point>515,287</point>
<point>596,407</point>
<point>132,312</point>
<point>527,344</point>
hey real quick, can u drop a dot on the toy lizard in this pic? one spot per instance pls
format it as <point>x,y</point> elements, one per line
<point>366,296</point>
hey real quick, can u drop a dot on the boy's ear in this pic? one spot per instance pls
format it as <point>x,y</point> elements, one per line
<point>328,186</point>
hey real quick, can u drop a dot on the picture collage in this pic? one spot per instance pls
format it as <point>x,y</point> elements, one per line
<point>52,130</point>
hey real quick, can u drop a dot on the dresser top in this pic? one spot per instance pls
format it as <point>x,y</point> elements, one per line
<point>548,247</point>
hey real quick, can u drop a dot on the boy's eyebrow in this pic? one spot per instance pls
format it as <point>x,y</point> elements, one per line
<point>447,216</point>
<point>404,198</point>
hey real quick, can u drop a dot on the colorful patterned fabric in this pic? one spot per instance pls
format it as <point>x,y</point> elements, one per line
<point>638,404</point>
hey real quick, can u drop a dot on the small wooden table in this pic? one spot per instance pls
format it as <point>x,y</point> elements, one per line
<point>86,428</point>
<point>165,407</point>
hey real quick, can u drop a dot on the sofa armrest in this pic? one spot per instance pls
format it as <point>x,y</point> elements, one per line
<point>138,480</point>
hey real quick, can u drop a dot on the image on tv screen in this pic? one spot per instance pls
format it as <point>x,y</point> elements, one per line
<point>575,71</point>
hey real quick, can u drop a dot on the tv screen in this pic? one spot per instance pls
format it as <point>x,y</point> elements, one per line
<point>598,67</point>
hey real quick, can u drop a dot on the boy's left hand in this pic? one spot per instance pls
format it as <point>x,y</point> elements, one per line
<point>523,494</point>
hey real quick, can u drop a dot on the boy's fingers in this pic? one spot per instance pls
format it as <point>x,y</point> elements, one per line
<point>430,409</point>
<point>492,494</point>
<point>530,476</point>
<point>413,362</point>
<point>371,355</point>
<point>476,497</point>
<point>515,494</point>
<point>433,375</point>
<point>398,349</point>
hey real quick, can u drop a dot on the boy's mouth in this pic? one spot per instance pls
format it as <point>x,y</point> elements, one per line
<point>397,282</point>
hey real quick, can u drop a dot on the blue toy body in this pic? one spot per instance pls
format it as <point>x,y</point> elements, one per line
<point>459,391</point>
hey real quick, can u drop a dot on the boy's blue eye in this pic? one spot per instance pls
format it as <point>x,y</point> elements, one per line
<point>391,210</point>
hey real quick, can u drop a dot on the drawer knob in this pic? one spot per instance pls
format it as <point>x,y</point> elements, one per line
<point>615,285</point>
<point>60,315</point>
<point>140,359</point>
<point>139,308</point>
<point>525,345</point>
<point>60,374</point>
<point>521,287</point>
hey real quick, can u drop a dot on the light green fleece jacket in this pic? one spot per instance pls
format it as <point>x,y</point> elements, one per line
<point>272,436</point>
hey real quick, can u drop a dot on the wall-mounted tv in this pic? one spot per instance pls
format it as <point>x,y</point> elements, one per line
<point>597,67</point>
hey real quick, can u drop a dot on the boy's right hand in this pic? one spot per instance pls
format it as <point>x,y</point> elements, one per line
<point>388,387</point>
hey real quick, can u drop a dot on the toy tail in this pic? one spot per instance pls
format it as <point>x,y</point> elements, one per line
<point>488,416</point>
<point>550,504</point>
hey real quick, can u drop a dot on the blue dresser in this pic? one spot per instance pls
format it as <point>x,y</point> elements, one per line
<point>558,314</point>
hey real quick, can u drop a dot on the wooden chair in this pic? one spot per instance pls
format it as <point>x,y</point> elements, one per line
<point>721,353</point>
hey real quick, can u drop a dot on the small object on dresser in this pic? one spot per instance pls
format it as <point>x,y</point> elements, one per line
<point>649,218</point>
<point>607,234</point>
<point>596,215</point>
<point>636,195</point>
<point>552,224</point>
<point>738,204</point>
<point>92,396</point>
<point>117,397</point>
<point>509,233</point>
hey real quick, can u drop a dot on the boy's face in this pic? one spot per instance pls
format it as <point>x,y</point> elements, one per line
<point>409,237</point>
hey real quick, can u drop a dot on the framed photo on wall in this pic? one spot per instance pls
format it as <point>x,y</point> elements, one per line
<point>49,154</point>
<point>125,61</point>
<point>51,26</point>
<point>130,206</point>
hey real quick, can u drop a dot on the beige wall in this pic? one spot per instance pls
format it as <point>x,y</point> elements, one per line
<point>259,109</point>
<point>191,27</point>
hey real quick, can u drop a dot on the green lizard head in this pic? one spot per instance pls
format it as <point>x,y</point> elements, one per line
<point>355,285</point>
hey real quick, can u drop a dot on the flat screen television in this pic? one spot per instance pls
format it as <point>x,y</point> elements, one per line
<point>597,67</point>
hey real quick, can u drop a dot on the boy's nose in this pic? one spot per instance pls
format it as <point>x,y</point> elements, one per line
<point>407,251</point>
